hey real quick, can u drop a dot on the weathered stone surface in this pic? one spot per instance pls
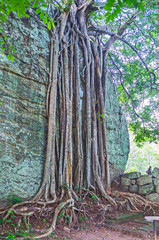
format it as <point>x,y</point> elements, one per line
<point>125,182</point>
<point>116,193</point>
<point>115,183</point>
<point>156,182</point>
<point>124,188</point>
<point>155,172</point>
<point>157,189</point>
<point>23,119</point>
<point>117,133</point>
<point>134,188</point>
<point>144,180</point>
<point>154,197</point>
<point>133,182</point>
<point>132,175</point>
<point>146,189</point>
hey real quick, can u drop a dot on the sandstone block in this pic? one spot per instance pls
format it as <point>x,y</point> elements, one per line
<point>125,182</point>
<point>155,172</point>
<point>115,183</point>
<point>156,182</point>
<point>134,188</point>
<point>146,189</point>
<point>143,180</point>
<point>157,189</point>
<point>132,175</point>
<point>154,197</point>
<point>116,193</point>
<point>133,182</point>
<point>124,188</point>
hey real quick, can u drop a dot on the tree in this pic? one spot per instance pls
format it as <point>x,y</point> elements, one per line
<point>148,155</point>
<point>77,31</point>
<point>135,65</point>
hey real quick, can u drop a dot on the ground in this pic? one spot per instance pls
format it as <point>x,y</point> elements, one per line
<point>94,222</point>
<point>102,234</point>
<point>122,231</point>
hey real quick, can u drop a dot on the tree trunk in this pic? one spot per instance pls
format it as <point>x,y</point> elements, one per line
<point>76,145</point>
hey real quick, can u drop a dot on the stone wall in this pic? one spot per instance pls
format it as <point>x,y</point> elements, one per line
<point>23,121</point>
<point>144,185</point>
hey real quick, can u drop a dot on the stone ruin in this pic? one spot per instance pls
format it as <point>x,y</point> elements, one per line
<point>134,182</point>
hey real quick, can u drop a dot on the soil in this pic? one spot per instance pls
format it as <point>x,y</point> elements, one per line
<point>94,222</point>
<point>119,232</point>
<point>102,234</point>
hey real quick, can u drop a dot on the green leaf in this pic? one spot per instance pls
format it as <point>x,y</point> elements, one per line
<point>52,22</point>
<point>35,5</point>
<point>38,11</point>
<point>120,3</point>
<point>109,18</point>
<point>49,25</point>
<point>4,36</point>
<point>44,5</point>
<point>44,20</point>
<point>12,58</point>
<point>118,9</point>
<point>41,15</point>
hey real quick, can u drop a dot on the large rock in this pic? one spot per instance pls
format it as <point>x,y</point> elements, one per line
<point>124,188</point>
<point>157,189</point>
<point>133,182</point>
<point>155,172</point>
<point>134,188</point>
<point>132,175</point>
<point>156,182</point>
<point>115,183</point>
<point>125,182</point>
<point>144,180</point>
<point>117,133</point>
<point>23,122</point>
<point>154,197</point>
<point>146,189</point>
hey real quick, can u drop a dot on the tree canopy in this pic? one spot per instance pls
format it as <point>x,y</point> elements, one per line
<point>133,60</point>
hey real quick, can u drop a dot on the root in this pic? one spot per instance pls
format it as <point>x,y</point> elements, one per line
<point>23,211</point>
<point>123,200</point>
<point>135,203</point>
<point>57,211</point>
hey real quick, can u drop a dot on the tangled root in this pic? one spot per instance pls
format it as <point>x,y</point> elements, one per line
<point>135,203</point>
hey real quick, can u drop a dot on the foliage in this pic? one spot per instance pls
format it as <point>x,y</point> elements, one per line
<point>13,199</point>
<point>114,8</point>
<point>134,76</point>
<point>15,230</point>
<point>21,9</point>
<point>133,64</point>
<point>147,155</point>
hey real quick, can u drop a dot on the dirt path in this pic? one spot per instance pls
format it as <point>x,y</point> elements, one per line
<point>104,233</point>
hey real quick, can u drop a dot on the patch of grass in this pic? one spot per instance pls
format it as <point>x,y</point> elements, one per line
<point>13,199</point>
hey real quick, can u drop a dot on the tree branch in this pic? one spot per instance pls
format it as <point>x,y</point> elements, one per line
<point>152,81</point>
<point>125,90</point>
<point>127,23</point>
